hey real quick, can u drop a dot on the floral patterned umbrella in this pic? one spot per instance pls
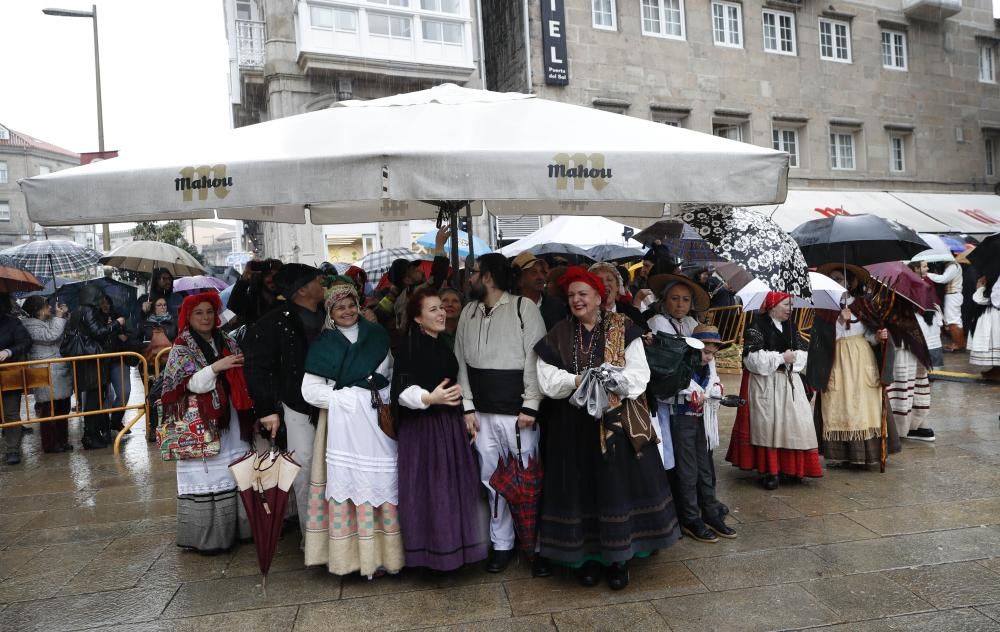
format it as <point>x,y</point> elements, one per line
<point>753,241</point>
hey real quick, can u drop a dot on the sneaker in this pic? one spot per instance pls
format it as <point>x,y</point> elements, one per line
<point>700,532</point>
<point>921,434</point>
<point>13,458</point>
<point>721,528</point>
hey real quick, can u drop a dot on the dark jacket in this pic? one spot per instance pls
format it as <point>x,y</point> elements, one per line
<point>14,337</point>
<point>169,329</point>
<point>553,310</point>
<point>275,356</point>
<point>250,301</point>
<point>97,333</point>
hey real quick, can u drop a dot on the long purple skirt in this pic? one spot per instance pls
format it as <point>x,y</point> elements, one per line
<point>438,490</point>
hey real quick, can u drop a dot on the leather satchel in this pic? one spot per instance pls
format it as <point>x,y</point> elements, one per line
<point>158,342</point>
<point>182,433</point>
<point>633,415</point>
<point>386,420</point>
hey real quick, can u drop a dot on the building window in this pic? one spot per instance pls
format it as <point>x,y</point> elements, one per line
<point>3,172</point>
<point>787,140</point>
<point>44,169</point>
<point>842,151</point>
<point>668,117</point>
<point>663,18</point>
<point>393,26</point>
<point>325,19</point>
<point>894,50</point>
<point>4,134</point>
<point>727,24</point>
<point>733,130</point>
<point>988,63</point>
<point>244,10</point>
<point>442,6</point>
<point>604,15</point>
<point>897,154</point>
<point>991,157</point>
<point>4,211</point>
<point>442,32</point>
<point>392,3</point>
<point>834,40</point>
<point>779,32</point>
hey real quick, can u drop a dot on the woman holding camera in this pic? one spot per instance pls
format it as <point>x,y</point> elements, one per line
<point>45,326</point>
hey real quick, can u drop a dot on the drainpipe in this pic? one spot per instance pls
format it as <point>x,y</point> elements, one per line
<point>482,46</point>
<point>527,45</point>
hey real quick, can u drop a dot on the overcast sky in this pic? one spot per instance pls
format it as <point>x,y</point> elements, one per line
<point>163,71</point>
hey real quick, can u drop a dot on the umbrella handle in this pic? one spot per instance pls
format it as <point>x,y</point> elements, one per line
<point>517,438</point>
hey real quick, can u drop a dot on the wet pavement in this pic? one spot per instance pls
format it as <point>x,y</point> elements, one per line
<point>87,541</point>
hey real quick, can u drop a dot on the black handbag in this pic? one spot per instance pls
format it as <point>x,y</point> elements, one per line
<point>75,345</point>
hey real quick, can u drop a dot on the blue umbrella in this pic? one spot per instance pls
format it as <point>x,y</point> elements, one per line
<point>427,241</point>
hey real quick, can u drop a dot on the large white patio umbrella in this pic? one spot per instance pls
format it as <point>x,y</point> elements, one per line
<point>585,232</point>
<point>403,157</point>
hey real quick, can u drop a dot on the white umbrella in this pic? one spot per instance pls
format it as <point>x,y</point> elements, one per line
<point>938,251</point>
<point>584,232</point>
<point>144,256</point>
<point>381,159</point>
<point>826,294</point>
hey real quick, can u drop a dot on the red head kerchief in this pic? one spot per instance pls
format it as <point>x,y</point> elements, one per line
<point>772,299</point>
<point>190,302</point>
<point>579,274</point>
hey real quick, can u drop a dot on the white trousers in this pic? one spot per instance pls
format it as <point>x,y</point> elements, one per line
<point>953,309</point>
<point>497,437</point>
<point>300,434</point>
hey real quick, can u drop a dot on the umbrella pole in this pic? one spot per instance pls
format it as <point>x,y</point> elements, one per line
<point>468,221</point>
<point>453,225</point>
<point>55,290</point>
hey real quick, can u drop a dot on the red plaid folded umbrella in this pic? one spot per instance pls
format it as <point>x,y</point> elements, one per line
<point>521,486</point>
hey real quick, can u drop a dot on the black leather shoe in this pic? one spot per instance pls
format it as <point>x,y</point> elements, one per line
<point>540,567</point>
<point>618,576</point>
<point>700,533</point>
<point>721,528</point>
<point>770,481</point>
<point>590,573</point>
<point>498,561</point>
<point>92,443</point>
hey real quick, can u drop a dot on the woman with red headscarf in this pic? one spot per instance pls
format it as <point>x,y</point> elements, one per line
<point>774,432</point>
<point>605,499</point>
<point>207,364</point>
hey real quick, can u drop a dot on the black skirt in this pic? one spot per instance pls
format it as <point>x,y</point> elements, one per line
<point>609,507</point>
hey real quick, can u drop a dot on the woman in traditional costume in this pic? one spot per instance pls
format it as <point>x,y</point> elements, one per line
<point>984,344</point>
<point>205,367</point>
<point>773,432</point>
<point>438,472</point>
<point>605,499</point>
<point>844,371</point>
<point>353,523</point>
<point>910,390</point>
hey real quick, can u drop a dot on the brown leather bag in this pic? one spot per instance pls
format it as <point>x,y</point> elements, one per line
<point>386,421</point>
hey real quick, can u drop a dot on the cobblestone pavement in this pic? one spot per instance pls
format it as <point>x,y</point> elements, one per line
<point>87,541</point>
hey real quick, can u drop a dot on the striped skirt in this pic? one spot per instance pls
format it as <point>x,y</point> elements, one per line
<point>909,393</point>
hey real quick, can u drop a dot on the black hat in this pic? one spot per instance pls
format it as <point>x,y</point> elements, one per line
<point>293,276</point>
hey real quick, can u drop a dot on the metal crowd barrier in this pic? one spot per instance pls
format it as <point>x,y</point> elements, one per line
<point>731,322</point>
<point>31,374</point>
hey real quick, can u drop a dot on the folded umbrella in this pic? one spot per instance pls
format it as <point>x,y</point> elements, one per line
<point>263,480</point>
<point>521,486</point>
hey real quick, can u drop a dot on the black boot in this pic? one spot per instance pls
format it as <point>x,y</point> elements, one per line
<point>618,575</point>
<point>590,573</point>
<point>116,422</point>
<point>770,481</point>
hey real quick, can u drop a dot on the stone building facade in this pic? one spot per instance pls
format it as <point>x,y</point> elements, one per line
<point>23,156</point>
<point>885,95</point>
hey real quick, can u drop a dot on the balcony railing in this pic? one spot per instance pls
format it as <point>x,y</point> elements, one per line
<point>250,38</point>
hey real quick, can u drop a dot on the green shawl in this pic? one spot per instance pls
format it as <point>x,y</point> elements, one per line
<point>334,357</point>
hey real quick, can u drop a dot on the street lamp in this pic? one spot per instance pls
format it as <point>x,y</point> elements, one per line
<point>73,13</point>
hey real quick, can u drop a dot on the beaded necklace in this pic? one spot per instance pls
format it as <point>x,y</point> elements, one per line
<point>588,353</point>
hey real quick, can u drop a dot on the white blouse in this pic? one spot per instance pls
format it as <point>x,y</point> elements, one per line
<point>558,383</point>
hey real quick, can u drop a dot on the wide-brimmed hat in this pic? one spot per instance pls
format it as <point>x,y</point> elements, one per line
<point>525,260</point>
<point>709,334</point>
<point>859,273</point>
<point>658,282</point>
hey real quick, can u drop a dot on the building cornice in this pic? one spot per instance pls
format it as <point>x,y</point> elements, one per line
<point>313,62</point>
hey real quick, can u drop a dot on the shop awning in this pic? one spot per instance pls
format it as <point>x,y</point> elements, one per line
<point>972,213</point>
<point>804,205</point>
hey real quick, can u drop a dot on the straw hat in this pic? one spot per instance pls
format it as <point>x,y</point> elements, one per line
<point>699,296</point>
<point>709,334</point>
<point>859,273</point>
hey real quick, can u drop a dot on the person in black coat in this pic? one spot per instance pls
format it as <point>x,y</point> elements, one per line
<point>14,345</point>
<point>275,349</point>
<point>256,293</point>
<point>95,331</point>
<point>161,285</point>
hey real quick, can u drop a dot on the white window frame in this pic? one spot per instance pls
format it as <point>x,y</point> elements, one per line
<point>742,127</point>
<point>672,118</point>
<point>443,23</point>
<point>990,145</point>
<point>661,12</point>
<point>248,5</point>
<point>441,11</point>
<point>4,175</point>
<point>403,4</point>
<point>390,17</point>
<point>778,15</point>
<point>891,60</point>
<point>834,147</point>
<point>834,56</point>
<point>4,133</point>
<point>988,63</point>
<point>4,211</point>
<point>897,159</point>
<point>780,142</point>
<point>726,8</point>
<point>612,9</point>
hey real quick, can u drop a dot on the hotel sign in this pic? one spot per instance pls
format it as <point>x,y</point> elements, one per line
<point>556,66</point>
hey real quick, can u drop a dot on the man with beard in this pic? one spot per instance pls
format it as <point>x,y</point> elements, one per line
<point>532,273</point>
<point>497,370</point>
<point>275,350</point>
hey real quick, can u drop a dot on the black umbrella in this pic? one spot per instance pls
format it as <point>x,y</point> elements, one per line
<point>986,256</point>
<point>613,252</point>
<point>560,249</point>
<point>683,241</point>
<point>753,241</point>
<point>664,229</point>
<point>858,239</point>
